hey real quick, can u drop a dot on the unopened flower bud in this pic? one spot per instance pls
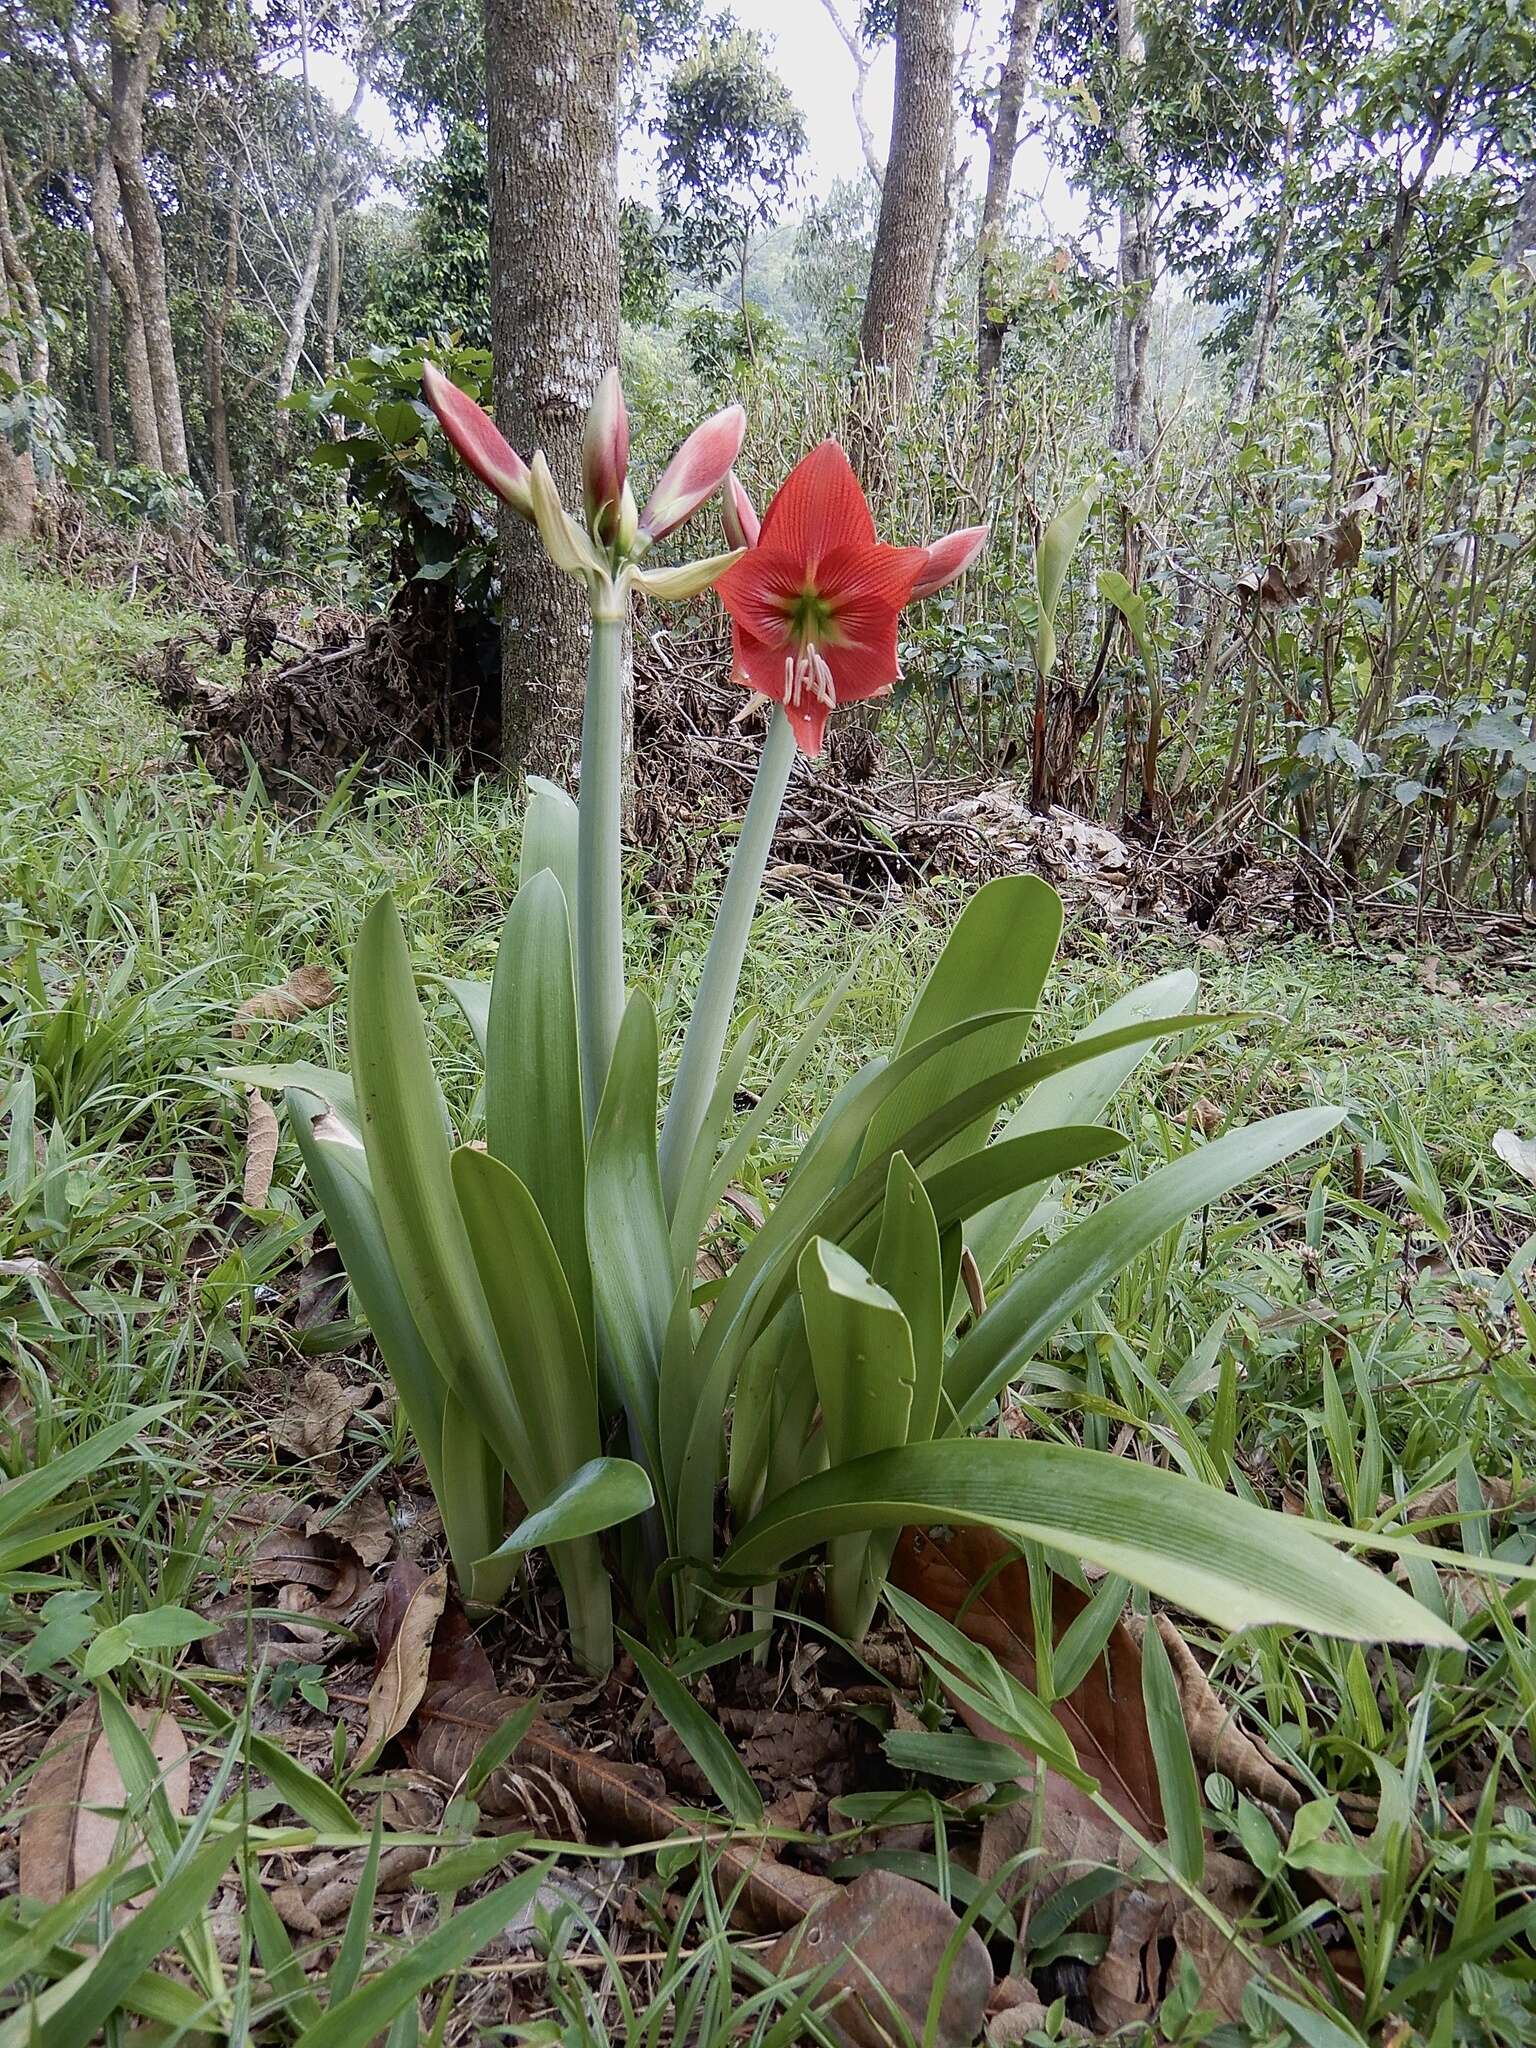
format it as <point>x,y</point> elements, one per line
<point>737,515</point>
<point>605,458</point>
<point>695,473</point>
<point>478,441</point>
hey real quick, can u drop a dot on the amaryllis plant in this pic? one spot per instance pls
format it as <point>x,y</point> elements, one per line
<point>536,1298</point>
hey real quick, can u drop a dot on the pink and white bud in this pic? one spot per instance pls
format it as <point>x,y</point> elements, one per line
<point>737,515</point>
<point>477,439</point>
<point>695,473</point>
<point>605,458</point>
<point>949,558</point>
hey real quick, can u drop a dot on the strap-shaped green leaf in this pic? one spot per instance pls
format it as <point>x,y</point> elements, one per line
<point>1224,1558</point>
<point>1076,1266</point>
<point>996,957</point>
<point>1057,546</point>
<point>908,1266</point>
<point>533,1116</point>
<point>597,1496</point>
<point>1080,1095</point>
<point>412,1181</point>
<point>549,835</point>
<point>627,1235</point>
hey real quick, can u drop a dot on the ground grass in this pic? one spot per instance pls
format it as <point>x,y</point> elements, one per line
<point>1373,1300</point>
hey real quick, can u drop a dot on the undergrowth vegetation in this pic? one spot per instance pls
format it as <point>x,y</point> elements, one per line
<point>1354,1340</point>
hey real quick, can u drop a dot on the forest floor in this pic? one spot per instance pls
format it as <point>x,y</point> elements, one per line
<point>160,1276</point>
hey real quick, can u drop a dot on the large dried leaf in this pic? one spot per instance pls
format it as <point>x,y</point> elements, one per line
<point>260,1149</point>
<point>413,1605</point>
<point>307,988</point>
<point>316,1420</point>
<point>70,1830</point>
<point>890,1937</point>
<point>1517,1153</point>
<point>1105,1717</point>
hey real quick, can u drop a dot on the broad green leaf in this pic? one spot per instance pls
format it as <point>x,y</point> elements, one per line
<point>1226,1559</point>
<point>285,1979</point>
<point>329,1087</point>
<point>996,958</point>
<point>534,1318</point>
<point>1074,1268</point>
<point>696,1198</point>
<point>702,1737</point>
<point>549,835</point>
<point>597,1496</point>
<point>474,999</point>
<point>861,1353</point>
<point>861,1356</point>
<point>627,1233</point>
<point>370,2009</point>
<point>408,1167</point>
<point>1132,607</point>
<point>784,1077</point>
<point>967,1758</point>
<point>1057,546</point>
<point>348,1966</point>
<point>533,1118</point>
<point>1078,1096</point>
<point>472,1504</point>
<point>908,1266</point>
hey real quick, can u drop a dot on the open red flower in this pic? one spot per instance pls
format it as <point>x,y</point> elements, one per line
<point>814,605</point>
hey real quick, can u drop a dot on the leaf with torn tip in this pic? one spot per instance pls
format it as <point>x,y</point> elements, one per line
<point>308,988</point>
<point>260,1149</point>
<point>74,1803</point>
<point>400,1680</point>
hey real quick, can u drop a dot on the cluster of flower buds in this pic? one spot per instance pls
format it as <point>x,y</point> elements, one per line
<point>604,550</point>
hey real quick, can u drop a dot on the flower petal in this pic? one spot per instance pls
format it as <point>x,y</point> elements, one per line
<point>949,558</point>
<point>478,440</point>
<point>757,666</point>
<point>868,574</point>
<point>863,659</point>
<point>819,507</point>
<point>695,472</point>
<point>758,590</point>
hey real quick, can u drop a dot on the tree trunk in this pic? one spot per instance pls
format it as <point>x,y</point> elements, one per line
<point>1133,314</point>
<point>135,39</point>
<point>304,294</point>
<point>117,265</point>
<point>911,226</point>
<point>98,302</point>
<point>18,478</point>
<point>332,296</point>
<point>1002,149</point>
<point>552,73</point>
<point>218,395</point>
<point>15,228</point>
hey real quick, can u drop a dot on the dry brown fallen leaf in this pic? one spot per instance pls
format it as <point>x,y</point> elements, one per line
<point>307,988</point>
<point>1104,1717</point>
<point>316,1576</point>
<point>890,1936</point>
<point>27,1266</point>
<point>70,1831</point>
<point>413,1604</point>
<point>316,1420</point>
<point>260,1149</point>
<point>364,1525</point>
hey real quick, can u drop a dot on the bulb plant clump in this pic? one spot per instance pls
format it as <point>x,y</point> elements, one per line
<point>536,1300</point>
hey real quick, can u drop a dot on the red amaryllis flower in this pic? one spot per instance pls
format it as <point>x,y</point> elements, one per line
<point>814,605</point>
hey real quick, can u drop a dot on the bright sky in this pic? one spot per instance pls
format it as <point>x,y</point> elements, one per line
<point>815,64</point>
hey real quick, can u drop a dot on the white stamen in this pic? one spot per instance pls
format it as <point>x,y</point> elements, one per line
<point>808,671</point>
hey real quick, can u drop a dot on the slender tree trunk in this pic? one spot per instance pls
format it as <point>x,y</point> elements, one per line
<point>304,296</point>
<point>911,225</point>
<point>332,295</point>
<point>854,45</point>
<point>98,301</point>
<point>18,477</point>
<point>1136,275</point>
<point>218,396</point>
<point>117,264</point>
<point>15,230</point>
<point>1002,149</point>
<point>552,74</point>
<point>135,36</point>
